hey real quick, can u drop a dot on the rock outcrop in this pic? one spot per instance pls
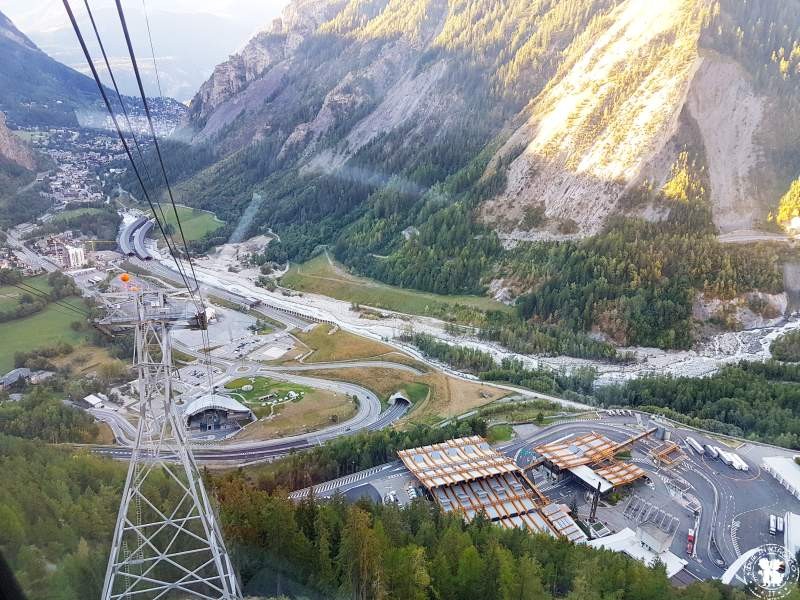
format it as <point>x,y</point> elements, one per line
<point>587,102</point>
<point>14,150</point>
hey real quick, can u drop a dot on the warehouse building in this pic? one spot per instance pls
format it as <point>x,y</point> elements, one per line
<point>468,476</point>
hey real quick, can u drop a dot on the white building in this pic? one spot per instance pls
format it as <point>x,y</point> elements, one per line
<point>786,471</point>
<point>96,400</point>
<point>76,257</point>
<point>645,545</point>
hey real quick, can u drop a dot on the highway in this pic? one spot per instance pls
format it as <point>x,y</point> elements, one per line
<point>170,275</point>
<point>368,416</point>
<point>354,364</point>
<point>29,256</point>
<point>295,320</point>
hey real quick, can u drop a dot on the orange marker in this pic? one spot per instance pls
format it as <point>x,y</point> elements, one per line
<point>125,277</point>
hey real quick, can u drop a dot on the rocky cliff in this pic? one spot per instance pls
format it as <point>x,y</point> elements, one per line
<point>590,99</point>
<point>12,149</point>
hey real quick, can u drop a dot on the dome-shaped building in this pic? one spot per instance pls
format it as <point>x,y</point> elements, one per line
<point>215,412</point>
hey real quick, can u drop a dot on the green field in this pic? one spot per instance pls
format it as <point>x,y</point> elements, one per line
<point>10,295</point>
<point>499,433</point>
<point>76,212</point>
<point>417,392</point>
<point>37,331</point>
<point>262,386</point>
<point>323,276</point>
<point>196,223</point>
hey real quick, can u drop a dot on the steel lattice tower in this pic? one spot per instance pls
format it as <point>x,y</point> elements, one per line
<point>165,545</point>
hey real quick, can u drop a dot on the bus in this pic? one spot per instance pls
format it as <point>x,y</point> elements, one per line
<point>773,524</point>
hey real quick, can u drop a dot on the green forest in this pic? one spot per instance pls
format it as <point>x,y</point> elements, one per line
<point>578,384</point>
<point>376,552</point>
<point>20,199</point>
<point>786,347</point>
<point>98,221</point>
<point>752,400</point>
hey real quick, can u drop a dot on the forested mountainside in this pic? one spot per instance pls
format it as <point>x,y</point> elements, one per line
<point>34,88</point>
<point>450,145</point>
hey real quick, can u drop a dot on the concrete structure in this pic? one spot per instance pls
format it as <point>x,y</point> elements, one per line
<point>213,412</point>
<point>96,400</point>
<point>139,237</point>
<point>786,471</point>
<point>592,479</point>
<point>75,257</point>
<point>467,475</point>
<point>125,237</point>
<point>637,544</point>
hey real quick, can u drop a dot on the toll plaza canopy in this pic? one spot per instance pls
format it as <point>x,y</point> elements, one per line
<point>592,479</point>
<point>454,461</point>
<point>590,458</point>
<point>572,452</point>
<point>467,475</point>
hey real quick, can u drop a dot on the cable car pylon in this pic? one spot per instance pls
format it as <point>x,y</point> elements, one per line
<point>165,545</point>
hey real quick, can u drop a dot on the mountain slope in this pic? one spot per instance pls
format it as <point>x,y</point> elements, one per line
<point>183,64</point>
<point>34,88</point>
<point>19,197</point>
<point>605,116</point>
<point>13,150</point>
<point>590,98</point>
<point>562,148</point>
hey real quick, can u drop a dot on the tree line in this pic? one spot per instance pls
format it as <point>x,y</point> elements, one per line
<point>369,551</point>
<point>753,400</point>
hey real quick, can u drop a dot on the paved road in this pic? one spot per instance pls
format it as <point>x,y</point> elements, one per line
<point>355,364</point>
<point>368,417</point>
<point>28,256</point>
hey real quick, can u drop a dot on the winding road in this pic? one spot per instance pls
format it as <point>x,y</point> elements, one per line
<point>368,417</point>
